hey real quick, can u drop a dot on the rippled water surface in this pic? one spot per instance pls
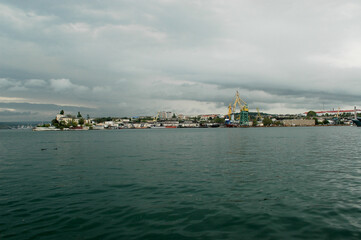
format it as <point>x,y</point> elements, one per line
<point>256,183</point>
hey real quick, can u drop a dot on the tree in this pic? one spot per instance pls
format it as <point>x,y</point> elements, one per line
<point>62,112</point>
<point>55,122</point>
<point>267,121</point>
<point>79,115</point>
<point>81,121</point>
<point>254,122</point>
<point>218,120</point>
<point>74,124</point>
<point>326,121</point>
<point>103,119</point>
<point>311,114</point>
<point>195,119</point>
<point>278,123</point>
<point>316,121</point>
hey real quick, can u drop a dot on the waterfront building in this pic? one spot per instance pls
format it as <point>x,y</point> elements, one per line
<point>207,117</point>
<point>59,116</point>
<point>181,116</point>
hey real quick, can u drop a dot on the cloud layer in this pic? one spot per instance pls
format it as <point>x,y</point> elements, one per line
<point>126,58</point>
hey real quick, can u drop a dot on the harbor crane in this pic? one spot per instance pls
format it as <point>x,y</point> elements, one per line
<point>230,110</point>
<point>243,108</point>
<point>156,117</point>
<point>259,118</point>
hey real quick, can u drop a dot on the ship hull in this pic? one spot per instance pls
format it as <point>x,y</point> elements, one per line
<point>230,125</point>
<point>357,122</point>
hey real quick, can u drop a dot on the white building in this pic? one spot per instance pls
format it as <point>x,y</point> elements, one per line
<point>165,115</point>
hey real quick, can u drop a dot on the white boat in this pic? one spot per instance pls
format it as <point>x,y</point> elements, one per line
<point>51,128</point>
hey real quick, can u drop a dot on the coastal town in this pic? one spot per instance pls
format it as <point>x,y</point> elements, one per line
<point>167,119</point>
<point>238,116</point>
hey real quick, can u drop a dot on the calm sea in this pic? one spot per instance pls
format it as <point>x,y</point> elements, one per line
<point>255,183</point>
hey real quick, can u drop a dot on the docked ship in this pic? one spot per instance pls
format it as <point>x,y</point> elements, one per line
<point>231,125</point>
<point>357,121</point>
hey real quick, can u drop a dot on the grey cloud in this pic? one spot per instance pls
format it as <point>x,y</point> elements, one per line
<point>44,107</point>
<point>35,83</point>
<point>65,84</point>
<point>5,83</point>
<point>17,114</point>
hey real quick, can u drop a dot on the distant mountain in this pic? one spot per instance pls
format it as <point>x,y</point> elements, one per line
<point>19,125</point>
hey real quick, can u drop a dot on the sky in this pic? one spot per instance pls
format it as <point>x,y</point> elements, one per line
<point>131,58</point>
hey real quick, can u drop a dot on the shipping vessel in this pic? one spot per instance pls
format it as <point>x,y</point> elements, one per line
<point>357,121</point>
<point>231,125</point>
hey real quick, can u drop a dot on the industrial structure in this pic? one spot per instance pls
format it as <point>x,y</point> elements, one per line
<point>240,117</point>
<point>337,113</point>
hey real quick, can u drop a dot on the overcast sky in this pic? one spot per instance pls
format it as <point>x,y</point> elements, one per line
<point>129,58</point>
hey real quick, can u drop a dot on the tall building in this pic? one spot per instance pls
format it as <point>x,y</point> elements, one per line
<point>169,115</point>
<point>162,115</point>
<point>165,115</point>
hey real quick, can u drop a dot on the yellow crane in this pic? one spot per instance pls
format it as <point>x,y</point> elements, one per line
<point>156,117</point>
<point>258,115</point>
<point>243,108</point>
<point>241,103</point>
<point>229,111</point>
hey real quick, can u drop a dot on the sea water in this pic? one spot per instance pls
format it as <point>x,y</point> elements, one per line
<point>246,183</point>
